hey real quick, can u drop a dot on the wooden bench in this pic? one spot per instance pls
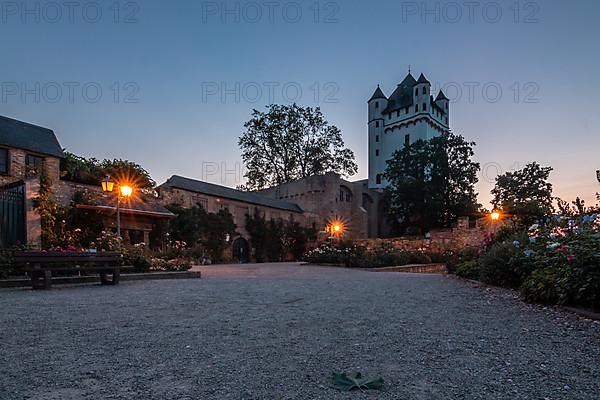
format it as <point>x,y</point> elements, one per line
<point>40,266</point>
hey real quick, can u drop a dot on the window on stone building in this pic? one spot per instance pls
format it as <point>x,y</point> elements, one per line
<point>398,113</point>
<point>377,153</point>
<point>416,108</point>
<point>376,104</point>
<point>406,140</point>
<point>424,106</point>
<point>390,116</point>
<point>377,138</point>
<point>406,110</point>
<point>417,92</point>
<point>4,161</point>
<point>378,179</point>
<point>376,124</point>
<point>33,164</point>
<point>200,201</point>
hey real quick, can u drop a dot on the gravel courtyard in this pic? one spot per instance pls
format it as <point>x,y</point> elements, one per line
<point>278,331</point>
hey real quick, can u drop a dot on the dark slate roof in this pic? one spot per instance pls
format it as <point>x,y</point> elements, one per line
<point>30,137</point>
<point>402,96</point>
<point>422,79</point>
<point>441,96</point>
<point>378,94</point>
<point>210,189</point>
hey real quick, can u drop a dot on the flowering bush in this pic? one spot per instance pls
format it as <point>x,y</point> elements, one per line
<point>555,262</point>
<point>351,255</point>
<point>175,264</point>
<point>108,241</point>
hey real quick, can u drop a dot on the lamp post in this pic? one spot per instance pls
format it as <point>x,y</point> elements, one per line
<point>598,175</point>
<point>124,191</point>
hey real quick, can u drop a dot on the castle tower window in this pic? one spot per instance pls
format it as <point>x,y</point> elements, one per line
<point>406,111</point>
<point>390,116</point>
<point>424,106</point>
<point>406,140</point>
<point>377,153</point>
<point>378,179</point>
<point>376,104</point>
<point>376,124</point>
<point>398,113</point>
<point>377,138</point>
<point>417,92</point>
<point>417,108</point>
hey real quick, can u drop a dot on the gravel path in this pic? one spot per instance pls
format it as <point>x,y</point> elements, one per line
<point>278,331</point>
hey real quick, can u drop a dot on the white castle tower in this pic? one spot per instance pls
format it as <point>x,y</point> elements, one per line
<point>409,114</point>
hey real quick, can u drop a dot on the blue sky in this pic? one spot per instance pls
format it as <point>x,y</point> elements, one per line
<point>173,58</point>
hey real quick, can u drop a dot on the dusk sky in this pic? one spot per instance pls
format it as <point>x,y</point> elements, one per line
<point>171,61</point>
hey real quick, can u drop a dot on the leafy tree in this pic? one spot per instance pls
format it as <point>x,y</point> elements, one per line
<point>195,226</point>
<point>80,169</point>
<point>432,183</point>
<point>91,171</point>
<point>273,239</point>
<point>525,194</point>
<point>287,143</point>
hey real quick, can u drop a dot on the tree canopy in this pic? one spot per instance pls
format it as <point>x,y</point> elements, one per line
<point>91,171</point>
<point>195,226</point>
<point>432,183</point>
<point>525,194</point>
<point>287,143</point>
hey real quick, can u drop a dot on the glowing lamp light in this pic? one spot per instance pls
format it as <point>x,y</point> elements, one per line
<point>337,228</point>
<point>495,216</point>
<point>107,184</point>
<point>126,190</point>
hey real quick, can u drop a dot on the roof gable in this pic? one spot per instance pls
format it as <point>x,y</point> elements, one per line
<point>211,189</point>
<point>21,135</point>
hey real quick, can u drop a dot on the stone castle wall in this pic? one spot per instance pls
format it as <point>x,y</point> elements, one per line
<point>455,239</point>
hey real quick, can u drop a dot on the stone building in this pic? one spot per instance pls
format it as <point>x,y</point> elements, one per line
<point>330,197</point>
<point>187,193</point>
<point>25,149</point>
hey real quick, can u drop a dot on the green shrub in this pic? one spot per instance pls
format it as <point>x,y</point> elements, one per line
<point>503,265</point>
<point>135,257</point>
<point>468,269</point>
<point>543,286</point>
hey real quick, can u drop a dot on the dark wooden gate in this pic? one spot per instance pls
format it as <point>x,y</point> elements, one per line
<point>12,215</point>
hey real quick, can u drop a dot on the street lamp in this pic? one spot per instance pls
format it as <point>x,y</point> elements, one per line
<point>495,217</point>
<point>124,191</point>
<point>598,175</point>
<point>336,228</point>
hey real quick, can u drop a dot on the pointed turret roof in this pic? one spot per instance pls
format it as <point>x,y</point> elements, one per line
<point>441,96</point>
<point>378,94</point>
<point>409,81</point>
<point>403,95</point>
<point>422,79</point>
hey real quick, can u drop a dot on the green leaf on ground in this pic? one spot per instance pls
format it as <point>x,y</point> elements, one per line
<point>347,383</point>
